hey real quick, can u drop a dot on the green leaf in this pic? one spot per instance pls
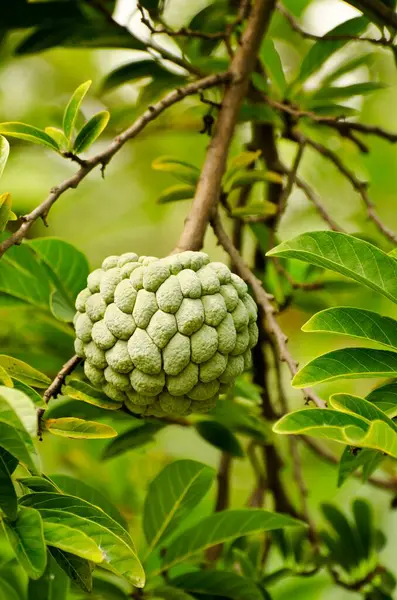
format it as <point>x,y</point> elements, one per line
<point>58,136</point>
<point>80,390</point>
<point>6,213</point>
<point>242,161</point>
<point>68,265</point>
<point>5,379</point>
<point>262,113</point>
<point>72,109</point>
<point>77,569</point>
<point>4,153</point>
<point>261,208</point>
<point>168,592</point>
<point>8,591</point>
<point>53,585</point>
<point>350,462</point>
<point>139,435</point>
<point>220,436</point>
<point>60,307</point>
<point>347,255</point>
<point>28,133</point>
<point>349,363</point>
<point>81,30</point>
<point>27,539</point>
<point>363,517</point>
<point>109,542</point>
<point>24,372</point>
<point>180,191</point>
<point>135,70</point>
<point>356,322</point>
<point>361,407</point>
<point>346,428</point>
<point>322,50</point>
<point>23,277</point>
<point>91,131</point>
<point>273,65</point>
<point>347,66</point>
<point>72,427</point>
<point>8,495</point>
<point>9,461</point>
<point>223,527</point>
<point>346,536</point>
<point>385,398</point>
<point>322,423</point>
<point>76,487</point>
<point>18,410</point>
<point>39,484</point>
<point>30,392</point>
<point>243,178</point>
<point>219,583</point>
<point>178,168</point>
<point>176,490</point>
<point>335,93</point>
<point>19,444</point>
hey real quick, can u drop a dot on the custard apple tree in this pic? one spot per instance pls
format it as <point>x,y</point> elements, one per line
<point>110,358</point>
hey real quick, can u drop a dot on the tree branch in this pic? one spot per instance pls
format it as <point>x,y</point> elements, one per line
<point>104,157</point>
<point>323,452</point>
<point>55,387</point>
<point>209,185</point>
<point>361,187</point>
<point>310,36</point>
<point>262,298</point>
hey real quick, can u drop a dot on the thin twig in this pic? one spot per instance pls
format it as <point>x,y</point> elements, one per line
<point>312,196</point>
<point>209,185</point>
<point>262,299</point>
<point>55,387</point>
<point>344,128</point>
<point>296,27</point>
<point>104,157</point>
<point>195,33</point>
<point>296,285</point>
<point>361,187</point>
<point>328,456</point>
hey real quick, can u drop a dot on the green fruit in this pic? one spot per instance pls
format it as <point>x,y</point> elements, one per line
<point>164,336</point>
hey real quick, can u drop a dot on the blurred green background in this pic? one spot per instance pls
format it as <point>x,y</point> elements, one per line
<point>120,214</point>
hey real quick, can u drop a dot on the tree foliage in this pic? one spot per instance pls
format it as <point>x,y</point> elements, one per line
<point>228,72</point>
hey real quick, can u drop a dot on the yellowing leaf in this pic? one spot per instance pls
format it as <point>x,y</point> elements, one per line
<point>6,213</point>
<point>4,152</point>
<point>181,191</point>
<point>58,136</point>
<point>24,372</point>
<point>28,133</point>
<point>79,428</point>
<point>5,378</point>
<point>180,169</point>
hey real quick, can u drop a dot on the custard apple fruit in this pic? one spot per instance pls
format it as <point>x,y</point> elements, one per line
<point>164,336</point>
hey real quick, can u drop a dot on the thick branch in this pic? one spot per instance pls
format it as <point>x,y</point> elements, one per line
<point>262,298</point>
<point>103,158</point>
<point>209,185</point>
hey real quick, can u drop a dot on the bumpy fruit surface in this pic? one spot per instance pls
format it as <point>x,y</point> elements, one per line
<point>164,336</point>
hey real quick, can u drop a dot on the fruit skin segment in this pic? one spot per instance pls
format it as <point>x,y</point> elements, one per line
<point>164,336</point>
